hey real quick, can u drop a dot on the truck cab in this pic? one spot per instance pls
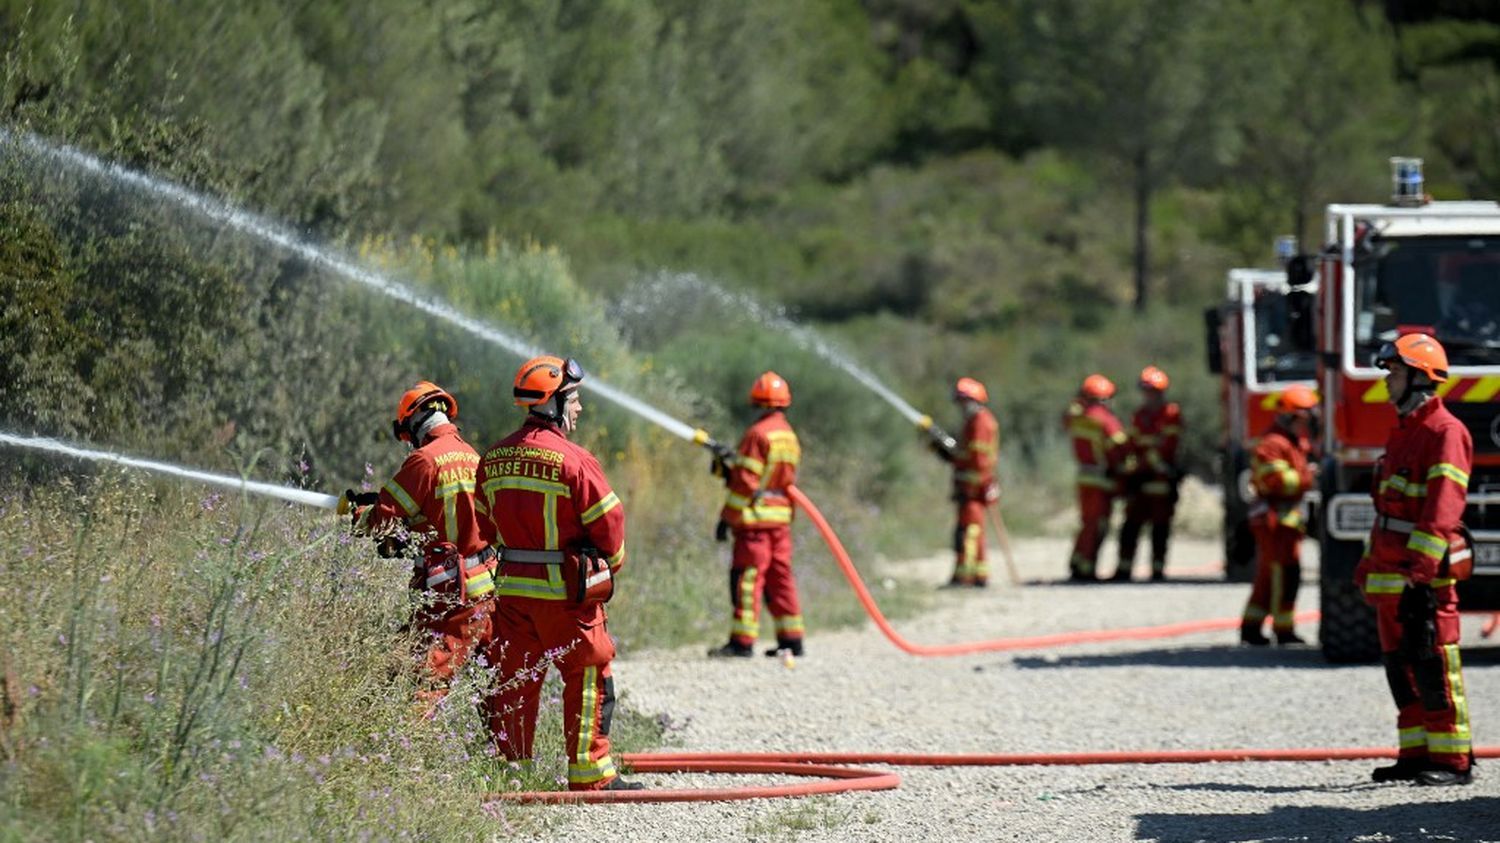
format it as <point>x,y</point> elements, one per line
<point>1415,265</point>
<point>1260,342</point>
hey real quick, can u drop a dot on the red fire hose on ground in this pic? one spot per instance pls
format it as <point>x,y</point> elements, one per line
<point>830,777</point>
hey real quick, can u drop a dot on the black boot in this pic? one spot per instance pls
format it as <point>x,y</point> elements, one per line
<point>1288,637</point>
<point>1122,573</point>
<point>794,646</point>
<point>619,783</point>
<point>1444,776</point>
<point>1404,770</point>
<point>732,650</point>
<point>1251,634</point>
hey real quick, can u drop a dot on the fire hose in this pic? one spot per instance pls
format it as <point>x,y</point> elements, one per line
<point>831,776</point>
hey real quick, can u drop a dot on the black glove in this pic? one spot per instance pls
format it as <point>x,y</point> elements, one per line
<point>1418,614</point>
<point>719,464</point>
<point>721,531</point>
<point>940,448</point>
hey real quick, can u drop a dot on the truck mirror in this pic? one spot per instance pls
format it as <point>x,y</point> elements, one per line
<point>1299,270</point>
<point>1212,320</point>
<point>1384,319</point>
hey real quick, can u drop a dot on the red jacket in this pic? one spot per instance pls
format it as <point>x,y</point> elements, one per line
<point>433,493</point>
<point>1154,434</point>
<point>1421,488</point>
<point>764,466</point>
<point>978,451</point>
<point>1099,444</point>
<point>538,491</point>
<point>1280,475</point>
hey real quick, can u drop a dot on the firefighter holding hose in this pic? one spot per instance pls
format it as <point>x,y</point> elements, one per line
<point>432,496</point>
<point>1418,550</point>
<point>1281,476</point>
<point>759,514</point>
<point>560,532</point>
<point>1151,492</point>
<point>1102,450</point>
<point>973,457</point>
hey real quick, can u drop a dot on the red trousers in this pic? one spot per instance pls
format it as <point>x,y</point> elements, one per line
<point>1427,685</point>
<point>970,567</point>
<point>762,565</point>
<point>1278,576</point>
<point>447,640</point>
<point>1093,517</point>
<point>530,634</point>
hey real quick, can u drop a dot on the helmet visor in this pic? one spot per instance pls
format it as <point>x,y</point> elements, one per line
<point>572,374</point>
<point>1385,356</point>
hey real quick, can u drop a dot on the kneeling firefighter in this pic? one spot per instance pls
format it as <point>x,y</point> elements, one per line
<point>1418,550</point>
<point>432,495</point>
<point>759,513</point>
<point>560,531</point>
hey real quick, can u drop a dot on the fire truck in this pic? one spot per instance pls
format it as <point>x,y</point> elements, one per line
<point>1386,270</point>
<point>1260,341</point>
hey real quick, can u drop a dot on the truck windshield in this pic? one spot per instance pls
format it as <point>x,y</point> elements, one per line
<point>1278,356</point>
<point>1445,286</point>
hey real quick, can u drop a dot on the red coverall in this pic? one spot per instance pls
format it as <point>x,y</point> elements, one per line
<point>1103,453</point>
<point>540,492</point>
<point>1420,492</point>
<point>1154,434</point>
<point>760,513</point>
<point>973,489</point>
<point>1280,475</point>
<point>433,494</point>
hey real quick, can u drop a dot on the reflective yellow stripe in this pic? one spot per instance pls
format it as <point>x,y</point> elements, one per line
<point>551,588</point>
<point>597,511</point>
<point>1096,482</point>
<point>526,484</point>
<point>619,556</point>
<point>1385,583</point>
<point>1450,471</point>
<point>402,498</point>
<point>745,621</point>
<point>594,771</point>
<point>1410,737</point>
<point>751,464</point>
<point>1402,487</point>
<point>764,514</point>
<point>1427,544</point>
<point>790,623</point>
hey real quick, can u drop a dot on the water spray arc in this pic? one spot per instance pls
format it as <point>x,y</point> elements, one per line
<point>243,221</point>
<point>286,493</point>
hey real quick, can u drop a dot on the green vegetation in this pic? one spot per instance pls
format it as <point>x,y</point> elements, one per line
<point>1024,191</point>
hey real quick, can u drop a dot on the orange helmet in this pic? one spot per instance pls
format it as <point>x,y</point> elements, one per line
<point>1154,378</point>
<point>540,379</point>
<point>416,403</point>
<point>770,390</point>
<point>972,390</point>
<point>1296,398</point>
<point>1418,351</point>
<point>1097,387</point>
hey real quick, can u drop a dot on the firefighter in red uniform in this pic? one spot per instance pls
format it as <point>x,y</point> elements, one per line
<point>1418,548</point>
<point>1103,453</point>
<point>560,533</point>
<point>1281,476</point>
<point>759,513</point>
<point>1151,492</point>
<point>432,495</point>
<point>974,485</point>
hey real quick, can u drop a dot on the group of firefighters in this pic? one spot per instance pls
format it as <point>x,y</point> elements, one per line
<point>517,550</point>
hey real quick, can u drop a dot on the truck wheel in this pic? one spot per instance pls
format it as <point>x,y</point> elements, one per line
<point>1347,631</point>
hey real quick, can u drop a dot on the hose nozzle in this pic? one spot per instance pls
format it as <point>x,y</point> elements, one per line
<point>924,422</point>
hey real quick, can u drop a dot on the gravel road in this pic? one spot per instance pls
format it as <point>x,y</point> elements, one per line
<point>854,691</point>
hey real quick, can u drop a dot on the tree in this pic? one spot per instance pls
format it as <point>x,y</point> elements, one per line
<point>1148,88</point>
